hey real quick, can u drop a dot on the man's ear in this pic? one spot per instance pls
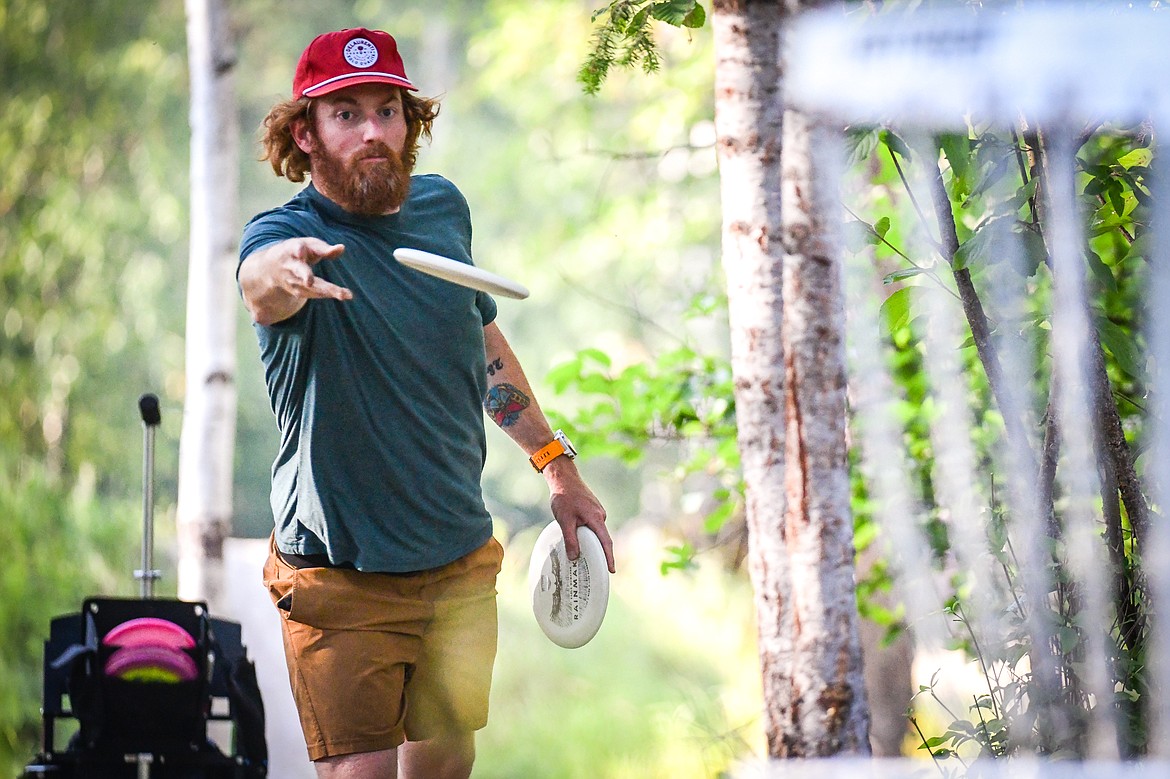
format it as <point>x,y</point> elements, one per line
<point>302,134</point>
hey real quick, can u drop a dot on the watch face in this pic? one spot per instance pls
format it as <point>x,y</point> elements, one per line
<point>570,450</point>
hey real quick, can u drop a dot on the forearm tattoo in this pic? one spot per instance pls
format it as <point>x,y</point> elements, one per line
<point>495,365</point>
<point>504,404</point>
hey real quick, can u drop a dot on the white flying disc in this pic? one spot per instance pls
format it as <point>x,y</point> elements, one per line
<point>568,596</point>
<point>460,273</point>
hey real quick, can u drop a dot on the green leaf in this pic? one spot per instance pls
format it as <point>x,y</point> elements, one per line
<point>1101,272</point>
<point>860,142</point>
<point>1138,249</point>
<point>1138,158</point>
<point>972,250</point>
<point>1035,251</point>
<point>1121,345</point>
<point>596,355</point>
<point>990,175</point>
<point>882,226</point>
<point>897,310</point>
<point>715,521</point>
<point>1028,191</point>
<point>680,13</point>
<point>895,143</point>
<point>1116,196</point>
<point>680,558</point>
<point>957,149</point>
<point>696,18</point>
<point>902,274</point>
<point>1068,637</point>
<point>859,235</point>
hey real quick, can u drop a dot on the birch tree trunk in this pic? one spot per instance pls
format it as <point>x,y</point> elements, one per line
<point>827,668</point>
<point>787,320</point>
<point>209,414</point>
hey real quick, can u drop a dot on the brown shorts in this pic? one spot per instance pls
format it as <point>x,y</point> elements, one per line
<point>375,659</point>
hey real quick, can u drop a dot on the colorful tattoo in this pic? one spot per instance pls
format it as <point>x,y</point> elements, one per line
<point>496,365</point>
<point>504,404</point>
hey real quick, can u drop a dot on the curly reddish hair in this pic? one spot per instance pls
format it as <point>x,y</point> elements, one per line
<point>287,159</point>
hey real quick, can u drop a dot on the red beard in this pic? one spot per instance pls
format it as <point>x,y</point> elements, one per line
<point>370,189</point>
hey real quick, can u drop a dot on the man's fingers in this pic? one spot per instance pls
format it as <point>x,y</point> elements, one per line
<point>602,533</point>
<point>572,546</point>
<point>313,250</point>
<point>607,545</point>
<point>320,288</point>
<point>302,282</point>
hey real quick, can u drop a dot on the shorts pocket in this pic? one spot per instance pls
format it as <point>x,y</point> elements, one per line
<point>281,581</point>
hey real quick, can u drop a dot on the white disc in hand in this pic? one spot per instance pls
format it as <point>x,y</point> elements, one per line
<point>569,597</point>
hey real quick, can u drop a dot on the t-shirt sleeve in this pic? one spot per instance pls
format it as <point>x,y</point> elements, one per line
<point>483,301</point>
<point>487,307</point>
<point>264,229</point>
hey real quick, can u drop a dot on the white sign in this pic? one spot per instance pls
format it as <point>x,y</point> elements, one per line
<point>934,67</point>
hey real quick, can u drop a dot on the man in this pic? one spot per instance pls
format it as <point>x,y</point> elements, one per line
<point>383,564</point>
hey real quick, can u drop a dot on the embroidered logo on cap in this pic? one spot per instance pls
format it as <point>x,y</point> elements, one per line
<point>360,53</point>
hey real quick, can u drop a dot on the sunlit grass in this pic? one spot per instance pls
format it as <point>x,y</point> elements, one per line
<point>668,688</point>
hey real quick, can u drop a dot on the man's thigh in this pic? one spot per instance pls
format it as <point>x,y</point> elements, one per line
<point>349,640</point>
<point>349,688</point>
<point>447,690</point>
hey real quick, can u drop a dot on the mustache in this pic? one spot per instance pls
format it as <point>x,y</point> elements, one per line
<point>377,149</point>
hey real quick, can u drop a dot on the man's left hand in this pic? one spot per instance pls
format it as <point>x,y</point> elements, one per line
<point>574,505</point>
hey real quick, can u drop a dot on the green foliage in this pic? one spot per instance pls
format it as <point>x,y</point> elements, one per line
<point>91,236</point>
<point>59,549</point>
<point>683,395</point>
<point>996,196</point>
<point>625,38</point>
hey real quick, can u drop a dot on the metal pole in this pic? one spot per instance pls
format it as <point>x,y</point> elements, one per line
<point>148,407</point>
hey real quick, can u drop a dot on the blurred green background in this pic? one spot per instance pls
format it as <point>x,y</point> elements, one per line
<point>606,208</point>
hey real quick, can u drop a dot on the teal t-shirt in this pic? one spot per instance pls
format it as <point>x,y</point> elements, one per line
<point>379,398</point>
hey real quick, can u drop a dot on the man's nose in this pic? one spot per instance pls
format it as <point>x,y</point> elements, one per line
<point>371,129</point>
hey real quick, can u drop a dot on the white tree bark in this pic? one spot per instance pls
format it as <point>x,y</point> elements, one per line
<point>828,682</point>
<point>787,320</point>
<point>209,414</point>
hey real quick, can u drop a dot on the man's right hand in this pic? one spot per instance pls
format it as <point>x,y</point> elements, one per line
<point>278,280</point>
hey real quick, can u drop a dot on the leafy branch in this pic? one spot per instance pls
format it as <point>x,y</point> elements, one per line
<point>625,37</point>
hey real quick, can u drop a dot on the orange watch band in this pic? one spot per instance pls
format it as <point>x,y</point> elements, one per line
<point>551,451</point>
<point>546,455</point>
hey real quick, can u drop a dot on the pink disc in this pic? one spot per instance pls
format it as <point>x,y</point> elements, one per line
<point>145,661</point>
<point>149,631</point>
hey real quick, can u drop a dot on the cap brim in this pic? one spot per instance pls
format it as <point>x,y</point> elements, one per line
<point>353,79</point>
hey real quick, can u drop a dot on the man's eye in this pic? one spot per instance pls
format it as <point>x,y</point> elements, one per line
<point>345,116</point>
<point>388,112</point>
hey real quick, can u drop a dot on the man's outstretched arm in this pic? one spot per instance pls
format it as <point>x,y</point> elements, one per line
<point>277,280</point>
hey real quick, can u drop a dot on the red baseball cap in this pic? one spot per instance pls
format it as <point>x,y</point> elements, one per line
<point>336,60</point>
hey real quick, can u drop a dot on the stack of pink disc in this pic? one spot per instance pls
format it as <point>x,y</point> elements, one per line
<point>150,650</point>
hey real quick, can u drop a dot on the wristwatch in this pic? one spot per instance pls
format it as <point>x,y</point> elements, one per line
<point>558,446</point>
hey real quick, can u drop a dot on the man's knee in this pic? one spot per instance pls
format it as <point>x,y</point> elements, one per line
<point>382,764</point>
<point>449,756</point>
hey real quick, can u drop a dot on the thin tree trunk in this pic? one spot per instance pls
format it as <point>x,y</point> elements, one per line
<point>800,543</point>
<point>977,319</point>
<point>209,415</point>
<point>830,713</point>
